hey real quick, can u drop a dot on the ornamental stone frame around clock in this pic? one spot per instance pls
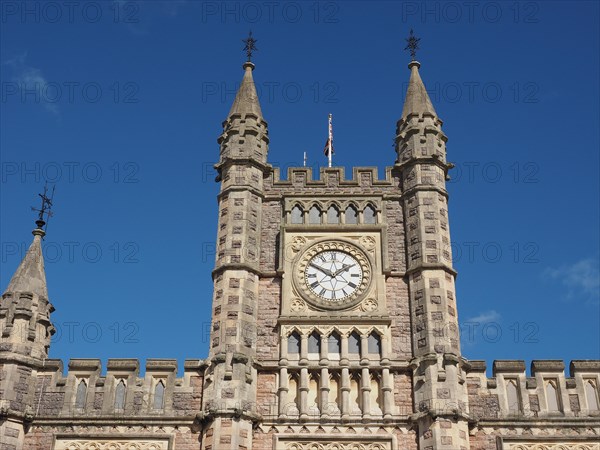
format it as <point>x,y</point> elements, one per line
<point>332,272</point>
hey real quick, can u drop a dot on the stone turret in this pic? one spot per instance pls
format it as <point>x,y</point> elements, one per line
<point>438,379</point>
<point>25,332</point>
<point>230,387</point>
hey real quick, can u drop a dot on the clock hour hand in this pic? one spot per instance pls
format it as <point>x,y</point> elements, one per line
<point>322,269</point>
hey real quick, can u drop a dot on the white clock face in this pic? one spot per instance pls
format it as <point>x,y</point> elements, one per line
<point>333,275</point>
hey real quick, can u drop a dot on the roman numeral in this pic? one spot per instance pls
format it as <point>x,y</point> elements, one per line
<point>314,285</point>
<point>354,275</point>
<point>333,294</point>
<point>344,292</point>
<point>333,256</point>
<point>311,275</point>
<point>322,292</point>
<point>352,285</point>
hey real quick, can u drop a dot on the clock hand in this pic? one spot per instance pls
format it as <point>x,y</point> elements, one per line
<point>344,268</point>
<point>322,269</point>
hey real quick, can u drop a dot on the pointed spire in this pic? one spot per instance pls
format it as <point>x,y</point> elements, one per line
<point>417,99</point>
<point>246,99</point>
<point>30,275</point>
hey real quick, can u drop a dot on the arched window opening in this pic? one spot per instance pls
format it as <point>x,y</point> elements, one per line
<point>369,214</point>
<point>591,394</point>
<point>512,397</point>
<point>354,344</point>
<point>159,395</point>
<point>374,342</point>
<point>334,345</point>
<point>351,215</point>
<point>293,344</point>
<point>120,395</point>
<point>314,215</point>
<point>314,345</point>
<point>552,396</point>
<point>297,214</point>
<point>333,215</point>
<point>80,395</point>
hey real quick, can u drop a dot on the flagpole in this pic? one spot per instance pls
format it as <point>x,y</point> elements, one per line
<point>329,152</point>
<point>304,159</point>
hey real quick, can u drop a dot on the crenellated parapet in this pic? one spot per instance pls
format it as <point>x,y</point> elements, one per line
<point>85,392</point>
<point>546,392</point>
<point>332,179</point>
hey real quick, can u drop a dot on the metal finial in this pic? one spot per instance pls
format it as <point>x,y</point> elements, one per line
<point>45,209</point>
<point>250,46</point>
<point>412,45</point>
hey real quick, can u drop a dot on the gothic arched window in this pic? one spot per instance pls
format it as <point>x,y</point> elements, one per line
<point>314,215</point>
<point>369,214</point>
<point>351,215</point>
<point>159,395</point>
<point>354,344</point>
<point>334,344</point>
<point>80,395</point>
<point>333,215</point>
<point>293,344</point>
<point>374,344</point>
<point>297,214</point>
<point>314,345</point>
<point>120,395</point>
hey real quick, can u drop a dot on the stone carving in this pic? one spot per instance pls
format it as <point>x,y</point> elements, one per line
<point>297,305</point>
<point>297,243</point>
<point>552,446</point>
<point>368,305</point>
<point>368,242</point>
<point>111,444</point>
<point>337,445</point>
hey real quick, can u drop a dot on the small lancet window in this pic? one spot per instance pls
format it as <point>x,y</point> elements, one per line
<point>314,215</point>
<point>297,214</point>
<point>80,395</point>
<point>552,396</point>
<point>591,394</point>
<point>512,396</point>
<point>354,344</point>
<point>120,395</point>
<point>294,343</point>
<point>159,395</point>
<point>351,215</point>
<point>333,215</point>
<point>314,344</point>
<point>374,344</point>
<point>369,214</point>
<point>334,344</point>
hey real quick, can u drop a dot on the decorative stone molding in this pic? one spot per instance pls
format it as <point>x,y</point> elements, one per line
<point>550,446</point>
<point>111,444</point>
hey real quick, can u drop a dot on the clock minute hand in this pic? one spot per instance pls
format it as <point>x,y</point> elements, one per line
<point>322,269</point>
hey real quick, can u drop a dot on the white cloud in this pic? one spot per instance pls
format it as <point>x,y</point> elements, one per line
<point>31,80</point>
<point>581,279</point>
<point>485,317</point>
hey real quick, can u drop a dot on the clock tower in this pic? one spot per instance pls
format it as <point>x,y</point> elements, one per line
<point>334,310</point>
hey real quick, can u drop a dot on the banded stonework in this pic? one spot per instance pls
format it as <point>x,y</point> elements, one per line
<point>334,326</point>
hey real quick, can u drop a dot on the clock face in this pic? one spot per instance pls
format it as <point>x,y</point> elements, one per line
<point>333,275</point>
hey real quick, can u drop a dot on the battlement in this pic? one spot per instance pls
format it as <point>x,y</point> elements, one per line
<point>83,391</point>
<point>547,392</point>
<point>332,177</point>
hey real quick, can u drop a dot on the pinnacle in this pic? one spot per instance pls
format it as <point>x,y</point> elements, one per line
<point>417,100</point>
<point>246,99</point>
<point>30,276</point>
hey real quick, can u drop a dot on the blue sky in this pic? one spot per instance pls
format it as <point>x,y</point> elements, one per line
<point>120,104</point>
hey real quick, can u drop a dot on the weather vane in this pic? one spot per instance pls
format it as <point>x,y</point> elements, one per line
<point>46,207</point>
<point>412,45</point>
<point>250,46</point>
